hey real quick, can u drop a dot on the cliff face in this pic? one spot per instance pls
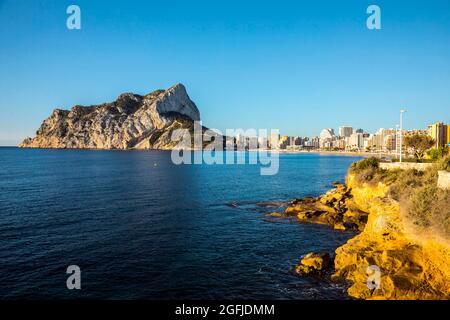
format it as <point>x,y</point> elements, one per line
<point>390,258</point>
<point>411,266</point>
<point>130,122</point>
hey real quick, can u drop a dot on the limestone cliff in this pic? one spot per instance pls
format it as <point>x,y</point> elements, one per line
<point>131,122</point>
<point>411,266</point>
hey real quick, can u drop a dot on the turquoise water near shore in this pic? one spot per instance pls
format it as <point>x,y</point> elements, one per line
<point>141,227</point>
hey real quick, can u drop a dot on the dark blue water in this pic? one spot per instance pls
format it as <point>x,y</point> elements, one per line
<point>140,227</point>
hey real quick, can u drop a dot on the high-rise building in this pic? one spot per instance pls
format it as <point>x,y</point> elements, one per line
<point>327,133</point>
<point>263,142</point>
<point>311,143</point>
<point>448,134</point>
<point>355,141</point>
<point>345,131</point>
<point>326,138</point>
<point>390,142</point>
<point>298,141</point>
<point>366,141</point>
<point>382,140</point>
<point>274,140</point>
<point>315,141</point>
<point>340,144</point>
<point>438,132</point>
<point>284,142</point>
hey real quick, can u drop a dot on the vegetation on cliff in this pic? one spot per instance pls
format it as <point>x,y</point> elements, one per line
<point>403,251</point>
<point>406,237</point>
<point>423,205</point>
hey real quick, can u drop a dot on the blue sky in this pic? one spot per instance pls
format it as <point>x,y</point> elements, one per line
<point>294,65</point>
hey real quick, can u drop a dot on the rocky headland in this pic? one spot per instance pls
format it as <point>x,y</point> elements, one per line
<point>413,262</point>
<point>132,121</point>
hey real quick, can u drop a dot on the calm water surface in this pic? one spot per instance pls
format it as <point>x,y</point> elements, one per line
<point>140,227</point>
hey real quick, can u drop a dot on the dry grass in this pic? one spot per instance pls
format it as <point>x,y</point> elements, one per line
<point>444,163</point>
<point>426,210</point>
<point>424,207</point>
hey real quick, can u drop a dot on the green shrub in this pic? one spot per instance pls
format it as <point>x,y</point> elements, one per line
<point>419,144</point>
<point>437,154</point>
<point>369,163</point>
<point>389,177</point>
<point>369,171</point>
<point>444,163</point>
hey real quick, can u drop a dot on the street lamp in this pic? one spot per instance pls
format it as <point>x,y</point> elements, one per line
<point>402,111</point>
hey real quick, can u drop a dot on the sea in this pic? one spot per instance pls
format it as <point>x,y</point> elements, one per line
<point>139,226</point>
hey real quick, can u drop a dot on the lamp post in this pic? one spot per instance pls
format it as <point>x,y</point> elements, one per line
<point>402,111</point>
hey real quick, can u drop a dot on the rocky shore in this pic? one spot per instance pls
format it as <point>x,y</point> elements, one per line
<point>410,265</point>
<point>335,208</point>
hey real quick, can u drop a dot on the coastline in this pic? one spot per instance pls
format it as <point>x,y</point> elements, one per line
<point>280,151</point>
<point>325,152</point>
<point>410,265</point>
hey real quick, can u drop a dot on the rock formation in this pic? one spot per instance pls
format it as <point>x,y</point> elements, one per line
<point>335,208</point>
<point>411,266</point>
<point>314,262</point>
<point>131,122</point>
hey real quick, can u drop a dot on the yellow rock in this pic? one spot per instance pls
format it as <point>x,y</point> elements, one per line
<point>301,269</point>
<point>339,226</point>
<point>410,266</point>
<point>276,214</point>
<point>316,261</point>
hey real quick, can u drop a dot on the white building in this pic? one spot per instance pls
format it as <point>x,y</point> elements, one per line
<point>326,138</point>
<point>274,140</point>
<point>355,142</point>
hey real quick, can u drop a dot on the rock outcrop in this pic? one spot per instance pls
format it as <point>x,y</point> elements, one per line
<point>411,266</point>
<point>314,262</point>
<point>131,122</point>
<point>335,208</point>
<point>386,260</point>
